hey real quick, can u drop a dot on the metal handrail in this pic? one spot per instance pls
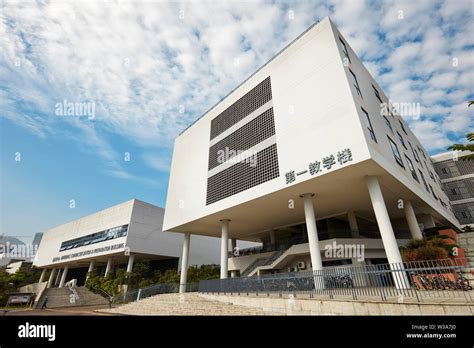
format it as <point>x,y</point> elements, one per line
<point>417,281</point>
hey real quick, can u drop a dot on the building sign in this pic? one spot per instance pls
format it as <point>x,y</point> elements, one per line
<point>89,252</point>
<point>327,163</point>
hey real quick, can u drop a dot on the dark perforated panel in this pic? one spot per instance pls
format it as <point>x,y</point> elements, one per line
<point>243,175</point>
<point>255,98</point>
<point>250,134</point>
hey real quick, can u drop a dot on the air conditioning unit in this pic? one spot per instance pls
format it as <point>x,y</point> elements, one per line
<point>301,265</point>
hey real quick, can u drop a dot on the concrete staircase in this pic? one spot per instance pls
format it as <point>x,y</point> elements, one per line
<point>466,241</point>
<point>185,304</point>
<point>61,297</point>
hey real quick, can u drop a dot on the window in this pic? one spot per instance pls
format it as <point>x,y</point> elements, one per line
<point>412,169</point>
<point>403,127</point>
<point>369,125</point>
<point>344,49</point>
<point>464,215</point>
<point>444,170</point>
<point>415,154</point>
<point>424,181</point>
<point>432,192</point>
<point>421,151</point>
<point>401,140</point>
<point>355,83</point>
<point>377,94</point>
<point>395,152</point>
<point>431,175</point>
<point>389,125</point>
<point>453,191</point>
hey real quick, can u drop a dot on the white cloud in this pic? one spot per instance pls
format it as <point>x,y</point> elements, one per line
<point>142,64</point>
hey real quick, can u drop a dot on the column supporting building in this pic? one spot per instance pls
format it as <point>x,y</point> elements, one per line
<point>224,247</point>
<point>184,263</point>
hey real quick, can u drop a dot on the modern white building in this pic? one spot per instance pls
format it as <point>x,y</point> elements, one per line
<point>120,235</point>
<point>299,156</point>
<point>457,179</point>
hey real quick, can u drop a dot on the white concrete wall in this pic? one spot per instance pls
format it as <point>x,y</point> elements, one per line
<point>381,151</point>
<point>144,236</point>
<point>314,117</point>
<point>111,217</point>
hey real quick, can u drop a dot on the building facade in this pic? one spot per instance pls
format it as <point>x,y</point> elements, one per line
<point>298,157</point>
<point>457,178</point>
<point>120,235</point>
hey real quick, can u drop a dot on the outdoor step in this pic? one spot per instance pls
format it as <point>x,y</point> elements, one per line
<point>171,304</point>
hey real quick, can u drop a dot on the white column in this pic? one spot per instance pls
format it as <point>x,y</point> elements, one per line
<point>51,278</point>
<point>58,277</point>
<point>43,273</point>
<point>184,263</point>
<point>131,259</point>
<point>412,222</point>
<point>386,231</point>
<point>313,240</point>
<point>224,247</point>
<point>63,276</point>
<point>89,271</point>
<point>108,268</point>
<point>353,224</point>
<point>272,238</point>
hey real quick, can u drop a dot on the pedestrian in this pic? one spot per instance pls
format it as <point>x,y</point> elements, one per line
<point>45,303</point>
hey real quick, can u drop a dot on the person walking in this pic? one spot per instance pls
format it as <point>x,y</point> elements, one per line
<point>45,303</point>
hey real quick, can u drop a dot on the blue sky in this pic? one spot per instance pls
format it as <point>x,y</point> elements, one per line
<point>151,68</point>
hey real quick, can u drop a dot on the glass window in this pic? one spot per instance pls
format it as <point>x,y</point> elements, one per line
<point>432,192</point>
<point>369,125</point>
<point>355,83</point>
<point>344,49</point>
<point>395,152</point>
<point>387,122</point>
<point>424,181</point>
<point>415,154</point>
<point>412,169</point>
<point>403,127</point>
<point>377,94</point>
<point>401,140</point>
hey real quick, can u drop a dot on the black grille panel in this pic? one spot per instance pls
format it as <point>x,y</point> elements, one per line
<point>250,134</point>
<point>242,176</point>
<point>255,98</point>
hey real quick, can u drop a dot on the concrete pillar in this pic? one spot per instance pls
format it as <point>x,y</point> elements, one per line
<point>131,258</point>
<point>412,222</point>
<point>313,240</point>
<point>353,224</point>
<point>51,278</point>
<point>184,263</point>
<point>58,277</point>
<point>108,268</point>
<point>43,273</point>
<point>63,276</point>
<point>91,268</point>
<point>272,238</point>
<point>224,247</point>
<point>386,231</point>
<point>233,246</point>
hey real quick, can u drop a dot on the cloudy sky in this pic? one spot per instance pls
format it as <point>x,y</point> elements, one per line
<point>150,68</point>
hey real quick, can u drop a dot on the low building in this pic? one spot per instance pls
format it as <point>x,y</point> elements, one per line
<point>120,235</point>
<point>457,179</point>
